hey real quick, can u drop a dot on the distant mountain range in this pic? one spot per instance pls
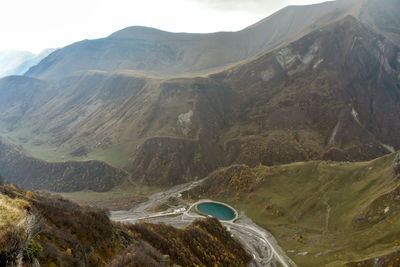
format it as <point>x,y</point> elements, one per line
<point>170,54</point>
<point>19,62</point>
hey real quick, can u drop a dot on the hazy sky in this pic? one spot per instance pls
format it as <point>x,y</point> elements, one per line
<point>37,24</point>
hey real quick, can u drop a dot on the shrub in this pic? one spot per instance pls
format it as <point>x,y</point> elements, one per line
<point>141,254</point>
<point>11,244</point>
<point>32,251</point>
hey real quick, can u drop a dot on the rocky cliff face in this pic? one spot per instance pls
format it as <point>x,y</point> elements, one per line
<point>317,94</point>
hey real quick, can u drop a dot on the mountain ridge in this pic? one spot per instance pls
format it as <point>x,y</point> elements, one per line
<point>171,54</point>
<point>280,107</point>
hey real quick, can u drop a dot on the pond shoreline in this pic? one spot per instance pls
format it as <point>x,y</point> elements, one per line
<point>196,205</point>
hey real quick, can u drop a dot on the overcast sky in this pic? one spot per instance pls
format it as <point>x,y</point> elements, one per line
<point>33,25</point>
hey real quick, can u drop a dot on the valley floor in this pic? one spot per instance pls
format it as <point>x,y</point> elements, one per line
<point>179,213</point>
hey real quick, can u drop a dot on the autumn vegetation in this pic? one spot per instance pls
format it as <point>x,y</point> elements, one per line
<point>203,243</point>
<point>38,228</point>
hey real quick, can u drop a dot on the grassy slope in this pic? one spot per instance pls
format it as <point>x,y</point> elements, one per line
<point>116,155</point>
<point>58,176</point>
<point>12,212</point>
<point>333,211</point>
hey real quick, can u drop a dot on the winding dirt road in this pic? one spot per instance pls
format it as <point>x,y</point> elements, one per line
<point>259,242</point>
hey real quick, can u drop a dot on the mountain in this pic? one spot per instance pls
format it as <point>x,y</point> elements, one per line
<point>170,54</point>
<point>328,89</point>
<point>323,213</point>
<point>39,229</point>
<point>332,94</point>
<point>18,62</point>
<point>290,119</point>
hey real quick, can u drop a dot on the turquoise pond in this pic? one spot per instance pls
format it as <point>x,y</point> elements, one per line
<point>220,211</point>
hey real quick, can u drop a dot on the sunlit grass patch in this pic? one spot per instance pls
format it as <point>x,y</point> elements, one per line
<point>12,212</point>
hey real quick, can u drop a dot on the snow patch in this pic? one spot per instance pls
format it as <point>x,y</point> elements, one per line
<point>286,58</point>
<point>354,43</point>
<point>185,121</point>
<point>389,148</point>
<point>316,65</point>
<point>268,74</point>
<point>355,115</point>
<point>386,210</point>
<point>334,133</point>
<point>308,58</point>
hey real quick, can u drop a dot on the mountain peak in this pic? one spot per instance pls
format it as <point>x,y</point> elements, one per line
<point>137,31</point>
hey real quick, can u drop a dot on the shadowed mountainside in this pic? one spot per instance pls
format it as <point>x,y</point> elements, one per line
<point>68,176</point>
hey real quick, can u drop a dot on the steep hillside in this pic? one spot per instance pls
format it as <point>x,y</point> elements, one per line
<point>66,176</point>
<point>107,116</point>
<point>50,231</point>
<point>165,53</point>
<point>322,213</point>
<point>19,95</point>
<point>332,94</point>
